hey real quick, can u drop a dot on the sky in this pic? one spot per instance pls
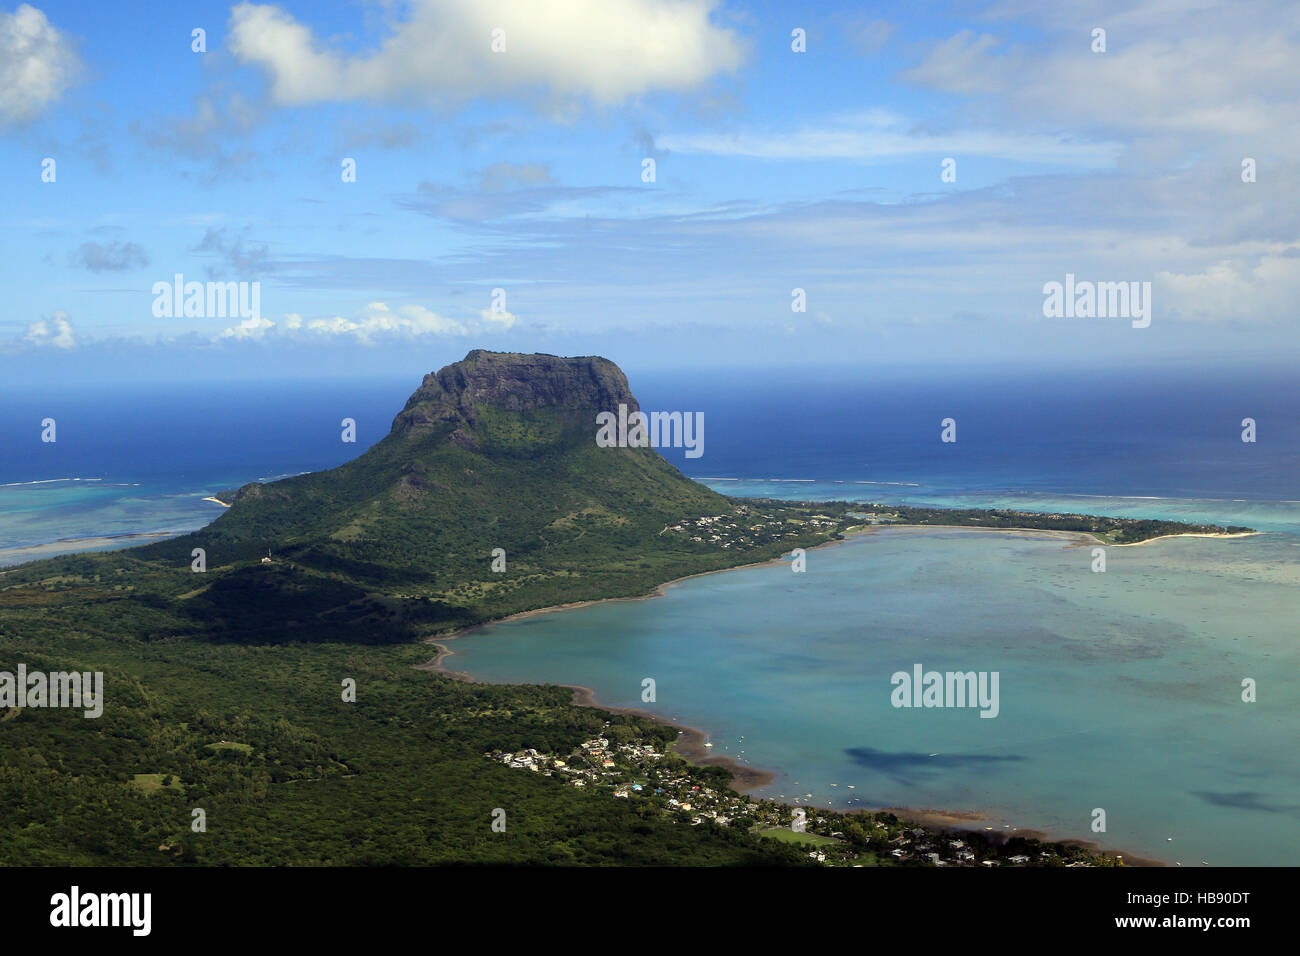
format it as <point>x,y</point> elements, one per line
<point>649,180</point>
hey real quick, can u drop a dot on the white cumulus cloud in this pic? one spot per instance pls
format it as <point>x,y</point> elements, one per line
<point>55,332</point>
<point>376,321</point>
<point>603,50</point>
<point>249,329</point>
<point>37,64</point>
<point>1265,288</point>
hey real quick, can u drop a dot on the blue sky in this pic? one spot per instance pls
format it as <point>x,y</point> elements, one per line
<point>522,170</point>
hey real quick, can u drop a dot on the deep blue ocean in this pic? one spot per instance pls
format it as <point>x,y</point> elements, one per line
<point>139,459</point>
<point>1167,434</point>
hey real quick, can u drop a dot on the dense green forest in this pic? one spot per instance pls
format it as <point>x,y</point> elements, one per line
<point>287,773</point>
<point>224,692</point>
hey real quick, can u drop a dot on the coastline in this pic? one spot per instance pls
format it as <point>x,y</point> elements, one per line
<point>745,778</point>
<point>1188,534</point>
<point>51,549</point>
<point>690,740</point>
<point>689,744</point>
<point>1077,539</point>
<point>657,591</point>
<point>1080,537</point>
<point>34,552</point>
<point>952,821</point>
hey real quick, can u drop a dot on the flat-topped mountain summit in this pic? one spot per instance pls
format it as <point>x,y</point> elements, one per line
<point>480,436</point>
<point>512,382</point>
<point>493,463</point>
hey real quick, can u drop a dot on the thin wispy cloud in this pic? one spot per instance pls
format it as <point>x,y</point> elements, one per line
<point>877,136</point>
<point>113,256</point>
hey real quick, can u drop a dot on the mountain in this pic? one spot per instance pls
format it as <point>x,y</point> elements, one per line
<point>512,383</point>
<point>223,684</point>
<point>495,451</point>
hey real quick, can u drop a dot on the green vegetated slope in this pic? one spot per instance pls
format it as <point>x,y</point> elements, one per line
<point>495,452</point>
<point>229,681</point>
<point>303,778</point>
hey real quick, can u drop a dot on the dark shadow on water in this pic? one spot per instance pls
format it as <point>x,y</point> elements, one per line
<point>1245,800</point>
<point>906,767</point>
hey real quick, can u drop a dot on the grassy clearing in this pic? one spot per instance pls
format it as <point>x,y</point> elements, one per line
<point>786,835</point>
<point>153,782</point>
<point>231,745</point>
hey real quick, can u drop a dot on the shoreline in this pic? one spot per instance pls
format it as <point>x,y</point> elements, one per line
<point>1189,534</point>
<point>656,591</point>
<point>689,744</point>
<point>746,779</point>
<point>1079,538</point>
<point>62,546</point>
<point>691,740</point>
<point>74,545</point>
<point>952,821</point>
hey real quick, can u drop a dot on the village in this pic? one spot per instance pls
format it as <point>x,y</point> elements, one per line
<point>747,527</point>
<point>691,795</point>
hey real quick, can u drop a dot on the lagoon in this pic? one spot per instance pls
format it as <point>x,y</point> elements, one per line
<point>1119,690</point>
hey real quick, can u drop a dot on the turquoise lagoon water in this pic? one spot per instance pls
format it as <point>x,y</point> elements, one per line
<point>1118,690</point>
<point>72,510</point>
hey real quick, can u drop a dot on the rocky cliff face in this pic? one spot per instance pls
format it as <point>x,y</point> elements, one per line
<point>454,406</point>
<point>513,382</point>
